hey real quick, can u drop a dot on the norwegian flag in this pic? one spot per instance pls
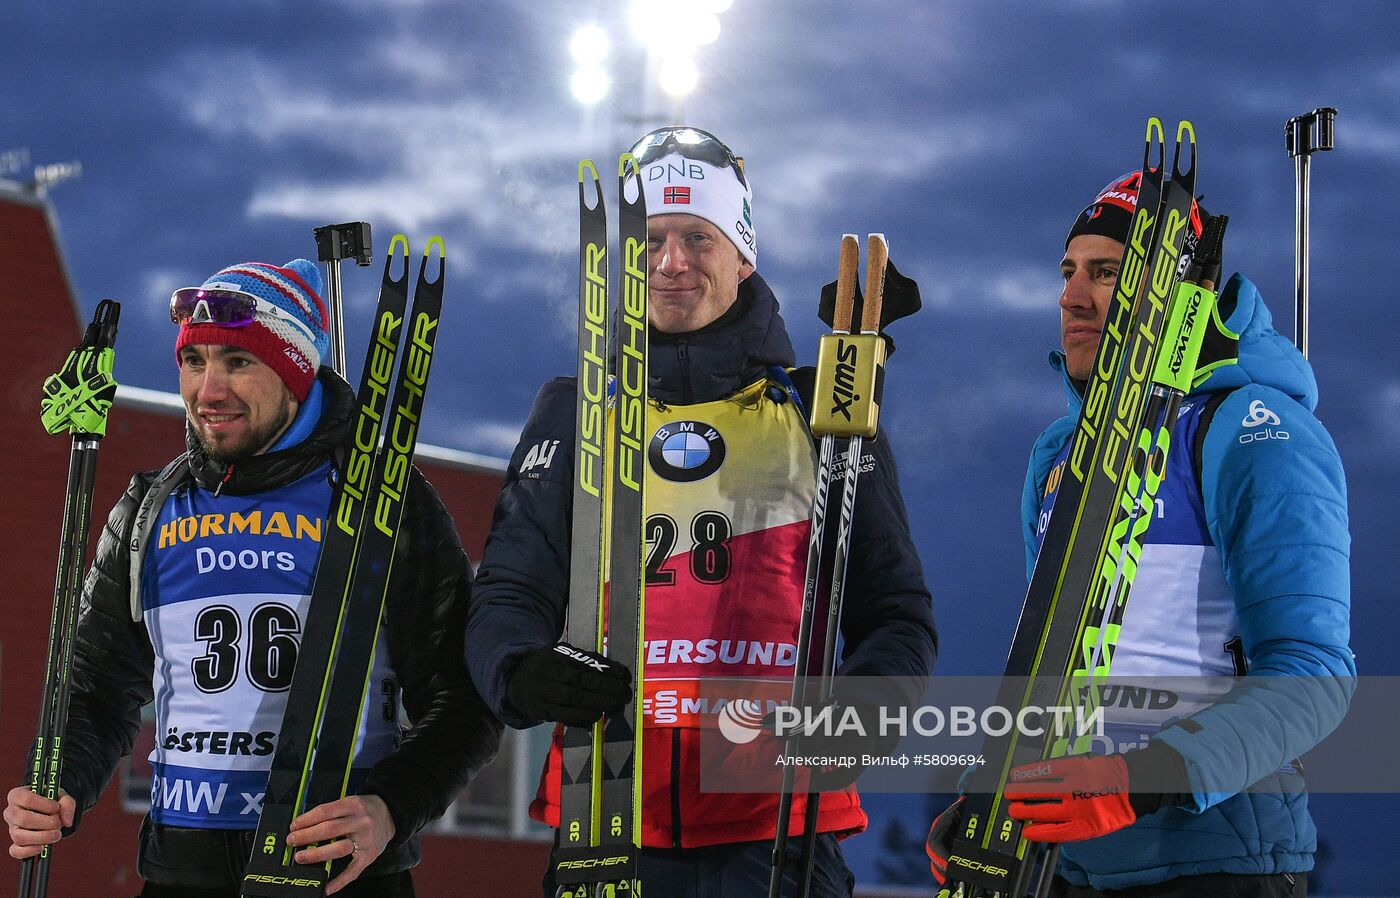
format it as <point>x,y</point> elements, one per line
<point>678,195</point>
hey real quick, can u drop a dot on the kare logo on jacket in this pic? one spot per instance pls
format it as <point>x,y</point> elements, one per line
<point>686,451</point>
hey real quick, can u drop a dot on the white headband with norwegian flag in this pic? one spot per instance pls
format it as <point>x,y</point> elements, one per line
<point>675,184</point>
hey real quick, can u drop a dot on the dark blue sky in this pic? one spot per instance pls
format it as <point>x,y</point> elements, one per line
<point>969,133</point>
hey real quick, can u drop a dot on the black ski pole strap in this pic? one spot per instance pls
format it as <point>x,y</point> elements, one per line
<point>1198,444</point>
<point>901,299</point>
<point>170,477</point>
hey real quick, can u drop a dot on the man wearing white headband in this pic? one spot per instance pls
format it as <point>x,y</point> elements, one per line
<point>700,234</point>
<point>729,485</point>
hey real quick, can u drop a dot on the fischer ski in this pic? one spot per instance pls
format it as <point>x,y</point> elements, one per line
<point>600,799</point>
<point>580,752</point>
<point>369,588</point>
<point>1146,362</point>
<point>77,400</point>
<point>316,741</point>
<point>850,370</point>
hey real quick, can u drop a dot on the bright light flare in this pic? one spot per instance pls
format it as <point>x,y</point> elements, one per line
<point>589,45</point>
<point>664,26</point>
<point>590,84</point>
<point>678,75</point>
<point>706,29</point>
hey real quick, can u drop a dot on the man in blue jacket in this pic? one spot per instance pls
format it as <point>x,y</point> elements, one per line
<point>1244,575</point>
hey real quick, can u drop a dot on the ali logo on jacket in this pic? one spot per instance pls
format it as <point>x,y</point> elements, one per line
<point>686,451</point>
<point>541,455</point>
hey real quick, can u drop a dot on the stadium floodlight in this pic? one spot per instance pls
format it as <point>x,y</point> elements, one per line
<point>670,31</point>
<point>706,29</point>
<point>589,46</point>
<point>590,84</point>
<point>678,75</point>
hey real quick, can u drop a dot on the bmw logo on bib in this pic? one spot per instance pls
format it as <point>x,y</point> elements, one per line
<point>686,451</point>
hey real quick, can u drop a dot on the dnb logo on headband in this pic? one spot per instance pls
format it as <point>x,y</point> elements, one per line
<point>686,451</point>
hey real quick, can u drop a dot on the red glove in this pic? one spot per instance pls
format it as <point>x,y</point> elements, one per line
<point>1071,799</point>
<point>940,840</point>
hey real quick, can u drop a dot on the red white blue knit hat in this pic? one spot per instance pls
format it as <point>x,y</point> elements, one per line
<point>293,352</point>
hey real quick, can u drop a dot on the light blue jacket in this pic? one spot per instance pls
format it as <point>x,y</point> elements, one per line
<point>1270,496</point>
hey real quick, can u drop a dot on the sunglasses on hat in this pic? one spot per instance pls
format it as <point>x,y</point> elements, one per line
<point>227,306</point>
<point>691,143</point>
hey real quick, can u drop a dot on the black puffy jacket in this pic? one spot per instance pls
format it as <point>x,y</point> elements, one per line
<point>452,734</point>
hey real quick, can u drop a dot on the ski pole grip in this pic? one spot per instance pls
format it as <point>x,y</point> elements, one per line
<point>850,367</point>
<point>1310,132</point>
<point>846,284</point>
<point>109,312</point>
<point>877,256</point>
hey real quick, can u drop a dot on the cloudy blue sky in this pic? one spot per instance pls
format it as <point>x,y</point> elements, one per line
<point>968,132</point>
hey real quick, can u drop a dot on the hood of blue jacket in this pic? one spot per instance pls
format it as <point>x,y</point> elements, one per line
<point>1266,356</point>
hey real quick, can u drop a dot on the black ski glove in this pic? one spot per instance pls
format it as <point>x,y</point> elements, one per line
<point>569,685</point>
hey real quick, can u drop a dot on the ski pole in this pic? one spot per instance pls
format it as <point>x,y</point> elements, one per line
<point>1305,134</point>
<point>863,394</point>
<point>335,242</point>
<point>849,372</point>
<point>77,400</point>
<point>841,324</point>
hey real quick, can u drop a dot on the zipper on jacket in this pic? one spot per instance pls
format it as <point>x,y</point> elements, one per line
<point>676,788</point>
<point>683,355</point>
<point>228,475</point>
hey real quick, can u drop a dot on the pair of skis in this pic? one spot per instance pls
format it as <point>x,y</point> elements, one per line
<point>1148,358</point>
<point>316,743</point>
<point>76,400</point>
<point>845,404</point>
<point>600,792</point>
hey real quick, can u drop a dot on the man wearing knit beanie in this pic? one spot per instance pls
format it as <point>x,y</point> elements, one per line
<point>1243,573</point>
<point>1093,249</point>
<point>730,464</point>
<point>198,597</point>
<point>250,342</point>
